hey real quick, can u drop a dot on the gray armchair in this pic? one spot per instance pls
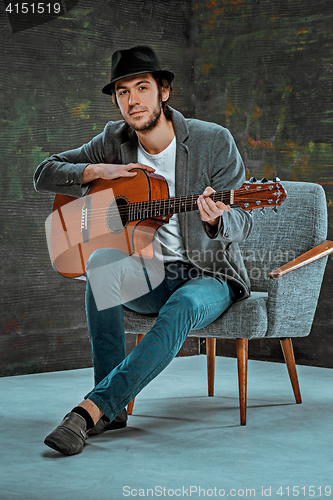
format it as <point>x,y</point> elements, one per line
<point>285,257</point>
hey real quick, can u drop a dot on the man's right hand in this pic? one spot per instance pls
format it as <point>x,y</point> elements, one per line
<point>111,171</point>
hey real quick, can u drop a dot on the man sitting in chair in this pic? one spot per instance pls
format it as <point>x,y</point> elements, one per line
<point>202,271</point>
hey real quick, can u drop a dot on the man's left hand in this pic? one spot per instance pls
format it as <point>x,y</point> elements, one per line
<point>209,210</point>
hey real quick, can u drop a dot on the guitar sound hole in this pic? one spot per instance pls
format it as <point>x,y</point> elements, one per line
<point>116,214</point>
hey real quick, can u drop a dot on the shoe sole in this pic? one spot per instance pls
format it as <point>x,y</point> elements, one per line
<point>110,427</point>
<point>116,425</point>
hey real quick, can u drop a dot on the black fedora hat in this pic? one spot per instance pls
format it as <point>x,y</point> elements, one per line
<point>134,61</point>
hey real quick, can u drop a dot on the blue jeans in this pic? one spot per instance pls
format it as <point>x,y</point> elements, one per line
<point>185,300</point>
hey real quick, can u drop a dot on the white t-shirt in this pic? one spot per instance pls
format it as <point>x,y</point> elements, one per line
<point>164,164</point>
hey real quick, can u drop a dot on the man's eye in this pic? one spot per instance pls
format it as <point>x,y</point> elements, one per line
<point>122,92</point>
<point>142,87</point>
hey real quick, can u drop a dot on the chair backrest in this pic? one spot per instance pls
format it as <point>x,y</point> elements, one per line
<point>299,224</point>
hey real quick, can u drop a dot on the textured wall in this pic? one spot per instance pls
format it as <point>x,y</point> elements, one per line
<point>51,100</point>
<point>262,68</point>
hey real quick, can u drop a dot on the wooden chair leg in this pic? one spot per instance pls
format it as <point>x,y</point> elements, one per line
<point>131,403</point>
<point>288,353</point>
<point>210,352</point>
<point>242,357</point>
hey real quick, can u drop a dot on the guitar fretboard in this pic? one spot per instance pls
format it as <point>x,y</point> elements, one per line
<point>170,206</point>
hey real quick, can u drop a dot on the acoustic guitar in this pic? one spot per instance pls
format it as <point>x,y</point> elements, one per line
<point>124,213</point>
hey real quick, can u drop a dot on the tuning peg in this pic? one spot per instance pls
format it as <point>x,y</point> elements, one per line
<point>276,179</point>
<point>263,211</point>
<point>264,179</point>
<point>275,210</point>
<point>253,179</point>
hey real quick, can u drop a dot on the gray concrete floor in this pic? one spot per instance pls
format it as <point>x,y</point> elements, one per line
<point>178,442</point>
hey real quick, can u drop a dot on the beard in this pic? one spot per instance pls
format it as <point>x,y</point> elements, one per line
<point>150,123</point>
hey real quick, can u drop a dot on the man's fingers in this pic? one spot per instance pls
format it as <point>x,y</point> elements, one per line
<point>140,165</point>
<point>222,206</point>
<point>208,191</point>
<point>209,210</point>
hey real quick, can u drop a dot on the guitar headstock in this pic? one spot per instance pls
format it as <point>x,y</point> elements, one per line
<point>260,194</point>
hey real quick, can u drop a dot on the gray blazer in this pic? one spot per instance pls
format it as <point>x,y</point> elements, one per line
<point>206,156</point>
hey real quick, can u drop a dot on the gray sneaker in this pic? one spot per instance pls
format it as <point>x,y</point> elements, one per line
<point>105,425</point>
<point>70,435</point>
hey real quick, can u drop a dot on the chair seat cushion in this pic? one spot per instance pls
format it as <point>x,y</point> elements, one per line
<point>244,319</point>
<point>138,323</point>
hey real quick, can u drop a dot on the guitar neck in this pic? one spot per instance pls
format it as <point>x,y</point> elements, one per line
<point>171,206</point>
<point>250,195</point>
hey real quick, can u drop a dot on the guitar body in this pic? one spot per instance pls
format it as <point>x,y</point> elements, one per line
<point>125,213</point>
<point>79,226</point>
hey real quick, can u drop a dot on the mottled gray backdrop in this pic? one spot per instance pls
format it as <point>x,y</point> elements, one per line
<point>262,68</point>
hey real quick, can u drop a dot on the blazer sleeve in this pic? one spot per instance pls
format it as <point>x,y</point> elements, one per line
<point>228,172</point>
<point>62,173</point>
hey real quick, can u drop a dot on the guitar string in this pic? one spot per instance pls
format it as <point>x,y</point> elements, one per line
<point>144,213</point>
<point>187,199</point>
<point>174,202</point>
<point>213,195</point>
<point>140,211</point>
<point>152,206</point>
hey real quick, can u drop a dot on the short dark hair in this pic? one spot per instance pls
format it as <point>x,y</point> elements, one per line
<point>162,83</point>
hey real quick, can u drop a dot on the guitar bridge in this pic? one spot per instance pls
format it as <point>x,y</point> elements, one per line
<point>85,223</point>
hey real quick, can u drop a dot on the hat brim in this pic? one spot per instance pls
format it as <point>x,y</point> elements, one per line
<point>168,75</point>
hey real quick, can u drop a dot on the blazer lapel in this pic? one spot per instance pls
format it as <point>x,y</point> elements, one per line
<point>182,167</point>
<point>129,149</point>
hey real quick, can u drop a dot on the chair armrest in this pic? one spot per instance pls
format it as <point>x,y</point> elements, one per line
<point>293,298</point>
<point>306,258</point>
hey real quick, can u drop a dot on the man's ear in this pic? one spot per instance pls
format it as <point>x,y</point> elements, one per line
<point>165,94</point>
